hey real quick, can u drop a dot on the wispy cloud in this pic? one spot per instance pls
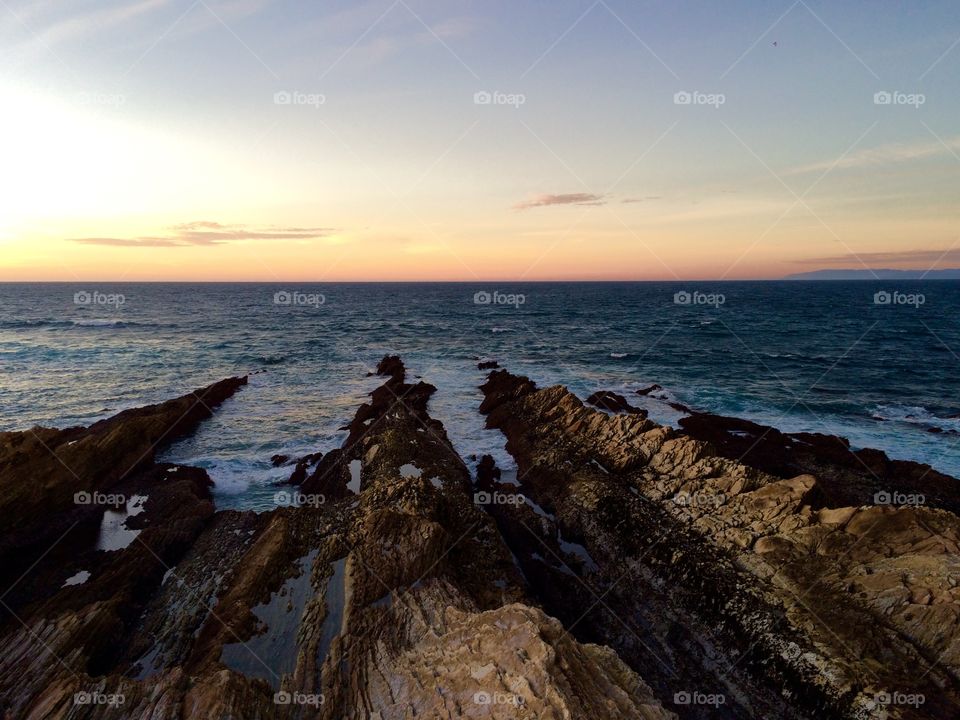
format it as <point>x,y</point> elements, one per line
<point>46,25</point>
<point>562,199</point>
<point>925,257</point>
<point>51,26</point>
<point>884,155</point>
<point>205,232</point>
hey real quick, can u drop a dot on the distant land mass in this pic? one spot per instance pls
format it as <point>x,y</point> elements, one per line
<point>948,274</point>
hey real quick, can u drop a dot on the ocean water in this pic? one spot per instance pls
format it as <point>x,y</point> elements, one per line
<point>835,357</point>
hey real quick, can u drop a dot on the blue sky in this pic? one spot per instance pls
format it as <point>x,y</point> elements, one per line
<point>127,120</point>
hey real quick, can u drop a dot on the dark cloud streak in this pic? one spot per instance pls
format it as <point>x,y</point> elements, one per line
<point>205,233</point>
<point>561,199</point>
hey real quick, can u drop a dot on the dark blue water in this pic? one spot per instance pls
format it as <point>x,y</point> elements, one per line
<point>802,356</point>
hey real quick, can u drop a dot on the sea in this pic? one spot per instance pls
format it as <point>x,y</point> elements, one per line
<point>876,362</point>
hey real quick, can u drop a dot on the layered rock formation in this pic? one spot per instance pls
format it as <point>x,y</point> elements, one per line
<point>845,476</point>
<point>628,570</point>
<point>715,579</point>
<point>386,592</point>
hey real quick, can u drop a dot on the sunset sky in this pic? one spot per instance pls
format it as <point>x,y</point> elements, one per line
<point>459,140</point>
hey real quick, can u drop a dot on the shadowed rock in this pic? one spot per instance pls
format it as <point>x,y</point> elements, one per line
<point>56,482</point>
<point>613,402</point>
<point>844,476</point>
<point>396,598</point>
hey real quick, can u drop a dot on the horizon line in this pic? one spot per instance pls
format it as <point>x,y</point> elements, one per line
<point>466,282</point>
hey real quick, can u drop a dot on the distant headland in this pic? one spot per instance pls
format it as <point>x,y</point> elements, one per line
<point>885,274</point>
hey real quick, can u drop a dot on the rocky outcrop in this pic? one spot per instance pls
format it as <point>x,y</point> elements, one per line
<point>392,597</point>
<point>56,484</point>
<point>614,402</point>
<point>709,576</point>
<point>91,525</point>
<point>845,476</point>
<point>627,570</point>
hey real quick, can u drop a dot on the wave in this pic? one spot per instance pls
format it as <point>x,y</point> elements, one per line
<point>916,415</point>
<point>271,359</point>
<point>87,322</point>
<point>18,324</point>
<point>618,355</point>
<point>100,323</point>
<point>501,330</point>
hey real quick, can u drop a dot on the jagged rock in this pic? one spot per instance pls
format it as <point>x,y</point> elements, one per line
<point>395,598</point>
<point>612,402</point>
<point>487,472</point>
<point>488,365</point>
<point>121,520</point>
<point>392,366</point>
<point>299,474</point>
<point>54,483</point>
<point>731,579</point>
<point>845,476</point>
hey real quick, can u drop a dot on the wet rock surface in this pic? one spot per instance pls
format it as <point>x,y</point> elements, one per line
<point>762,585</point>
<point>386,591</point>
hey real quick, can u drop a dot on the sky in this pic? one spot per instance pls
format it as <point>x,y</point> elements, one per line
<point>465,140</point>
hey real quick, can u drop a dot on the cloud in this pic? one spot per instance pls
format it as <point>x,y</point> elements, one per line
<point>896,257</point>
<point>884,155</point>
<point>562,199</point>
<point>455,27</point>
<point>207,233</point>
<point>103,17</point>
<point>51,27</point>
<point>630,200</point>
